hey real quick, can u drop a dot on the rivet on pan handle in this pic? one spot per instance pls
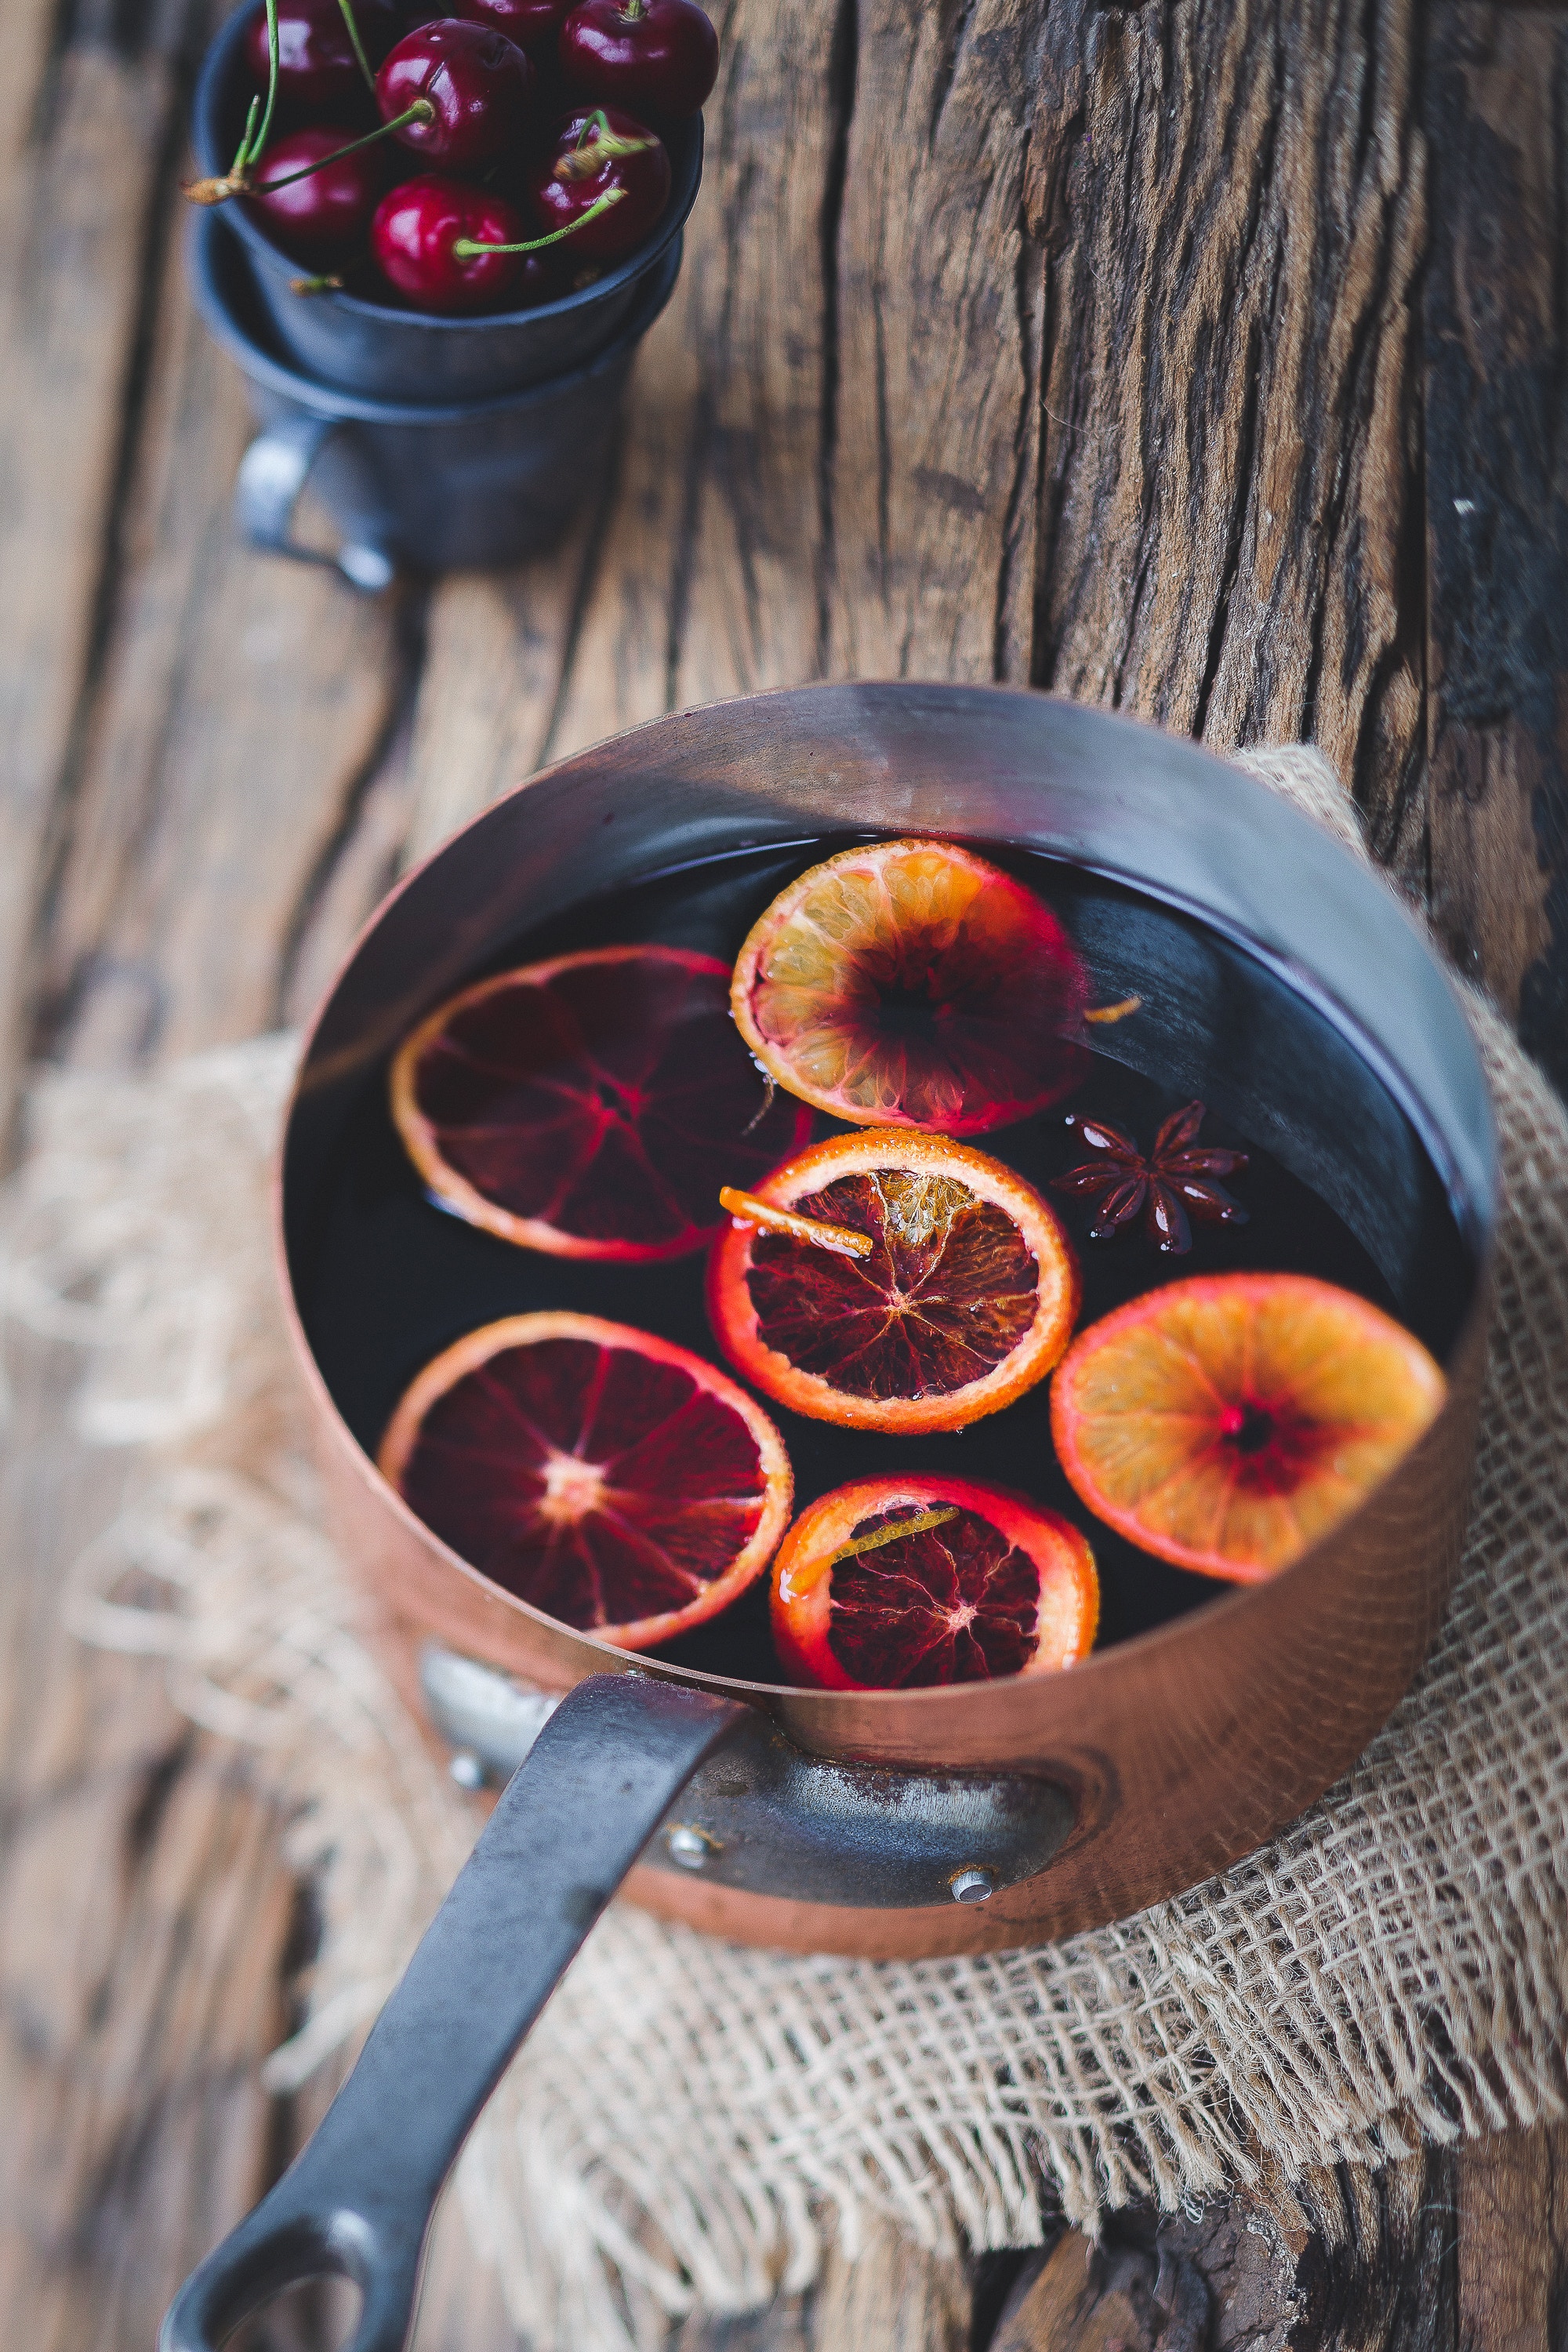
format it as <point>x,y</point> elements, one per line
<point>357,2200</point>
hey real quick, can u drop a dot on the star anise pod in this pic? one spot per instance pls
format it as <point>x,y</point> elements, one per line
<point>1174,1183</point>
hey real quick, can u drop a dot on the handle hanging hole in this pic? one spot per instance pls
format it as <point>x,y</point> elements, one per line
<point>323,2311</point>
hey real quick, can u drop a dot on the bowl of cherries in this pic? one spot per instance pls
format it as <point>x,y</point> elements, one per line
<point>448,208</point>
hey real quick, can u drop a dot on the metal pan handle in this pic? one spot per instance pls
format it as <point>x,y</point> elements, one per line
<point>357,2200</point>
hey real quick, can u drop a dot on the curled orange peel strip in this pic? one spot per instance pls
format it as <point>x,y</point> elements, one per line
<point>917,1526</point>
<point>747,1210</point>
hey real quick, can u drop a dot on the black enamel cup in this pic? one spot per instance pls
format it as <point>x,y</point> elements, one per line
<point>429,488</point>
<point>390,354</point>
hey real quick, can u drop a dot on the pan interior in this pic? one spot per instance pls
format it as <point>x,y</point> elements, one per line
<point>1339,1186</point>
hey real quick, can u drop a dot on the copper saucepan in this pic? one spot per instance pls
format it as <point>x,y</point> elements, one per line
<point>1281,980</point>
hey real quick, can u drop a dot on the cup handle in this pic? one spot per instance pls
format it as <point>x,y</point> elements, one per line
<point>272,473</point>
<point>357,2201</point>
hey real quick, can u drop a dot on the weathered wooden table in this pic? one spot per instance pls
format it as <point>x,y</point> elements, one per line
<point>1207,357</point>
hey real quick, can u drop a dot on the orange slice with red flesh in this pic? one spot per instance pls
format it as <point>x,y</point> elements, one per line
<point>587,1105</point>
<point>966,1297</point>
<point>609,1478</point>
<point>1227,1422</point>
<point>910,983</point>
<point>908,1583</point>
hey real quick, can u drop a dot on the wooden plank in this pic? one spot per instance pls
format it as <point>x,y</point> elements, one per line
<point>1512,2249</point>
<point>1496,412</point>
<point>144,1906</point>
<point>935,422</point>
<point>1350,2261</point>
<point>883,2293</point>
<point>143,1900</point>
<point>1233,205</point>
<point>1370,2256</point>
<point>81,139</point>
<point>747,579</point>
<point>492,673</point>
<point>246,711</point>
<point>1078,2298</point>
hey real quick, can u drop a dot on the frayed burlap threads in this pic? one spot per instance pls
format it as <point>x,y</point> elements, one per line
<point>687,2114</point>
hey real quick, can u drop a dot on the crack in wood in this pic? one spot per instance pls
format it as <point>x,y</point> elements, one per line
<point>1028,271</point>
<point>37,1020</point>
<point>954,20</point>
<point>843,62</point>
<point>145,1816</point>
<point>1240,507</point>
<point>1496,425</point>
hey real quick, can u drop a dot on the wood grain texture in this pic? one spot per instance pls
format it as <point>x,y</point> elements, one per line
<point>1497,456</point>
<point>1512,2251</point>
<point>1369,2256</point>
<point>1344,2262</point>
<point>1232,198</point>
<point>144,1911</point>
<point>935,420</point>
<point>244,709</point>
<point>1081,2297</point>
<point>882,2291</point>
<point>81,165</point>
<point>488,685</point>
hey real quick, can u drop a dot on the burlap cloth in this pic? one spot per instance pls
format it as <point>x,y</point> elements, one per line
<point>688,2116</point>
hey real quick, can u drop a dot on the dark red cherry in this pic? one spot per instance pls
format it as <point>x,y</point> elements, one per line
<point>532,24</point>
<point>592,157</point>
<point>318,72</point>
<point>320,219</point>
<point>415,231</point>
<point>476,81</point>
<point>659,55</point>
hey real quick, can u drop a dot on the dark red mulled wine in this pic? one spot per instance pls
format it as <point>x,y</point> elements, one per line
<point>1337,1185</point>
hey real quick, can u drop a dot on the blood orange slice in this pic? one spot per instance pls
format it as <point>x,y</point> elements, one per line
<point>1227,1423</point>
<point>902,1583</point>
<point>587,1105</point>
<point>911,985</point>
<point>611,1479</point>
<point>966,1299</point>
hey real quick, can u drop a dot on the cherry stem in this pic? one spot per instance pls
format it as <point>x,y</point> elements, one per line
<point>252,150</point>
<point>346,5</point>
<point>240,184</point>
<point>590,153</point>
<point>465,248</point>
<point>243,149</point>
